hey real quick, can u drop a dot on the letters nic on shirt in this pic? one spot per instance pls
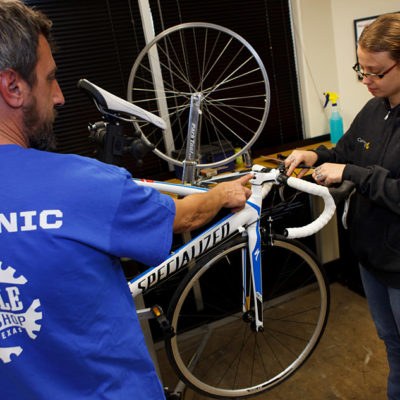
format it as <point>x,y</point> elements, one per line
<point>31,220</point>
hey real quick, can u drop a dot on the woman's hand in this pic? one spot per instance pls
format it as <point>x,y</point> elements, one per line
<point>328,174</point>
<point>298,157</point>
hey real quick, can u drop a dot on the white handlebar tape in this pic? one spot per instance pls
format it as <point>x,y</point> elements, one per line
<point>323,219</point>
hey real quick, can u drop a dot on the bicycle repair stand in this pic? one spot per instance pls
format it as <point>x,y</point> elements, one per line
<point>111,142</point>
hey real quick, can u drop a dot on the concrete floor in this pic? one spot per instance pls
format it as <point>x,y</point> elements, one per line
<point>348,364</point>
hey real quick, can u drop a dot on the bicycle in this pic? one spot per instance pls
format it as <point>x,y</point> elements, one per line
<point>263,322</point>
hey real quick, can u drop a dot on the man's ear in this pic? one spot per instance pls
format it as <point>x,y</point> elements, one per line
<point>12,88</point>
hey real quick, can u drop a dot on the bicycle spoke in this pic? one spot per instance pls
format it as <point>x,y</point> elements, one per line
<point>212,115</point>
<point>177,64</point>
<point>196,52</point>
<point>178,74</point>
<point>262,362</point>
<point>210,118</point>
<point>213,89</point>
<point>236,106</point>
<point>216,82</point>
<point>267,340</point>
<point>203,70</point>
<point>226,80</point>
<point>237,98</point>
<point>246,85</point>
<point>237,357</point>
<point>218,58</point>
<point>170,86</point>
<point>217,106</point>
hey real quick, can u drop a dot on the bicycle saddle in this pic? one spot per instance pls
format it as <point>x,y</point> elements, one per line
<point>108,101</point>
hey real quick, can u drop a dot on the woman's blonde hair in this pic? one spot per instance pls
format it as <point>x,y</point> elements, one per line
<point>383,35</point>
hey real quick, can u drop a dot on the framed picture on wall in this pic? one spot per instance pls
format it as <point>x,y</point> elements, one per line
<point>361,24</point>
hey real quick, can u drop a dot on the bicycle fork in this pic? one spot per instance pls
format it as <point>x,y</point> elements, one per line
<point>252,274</point>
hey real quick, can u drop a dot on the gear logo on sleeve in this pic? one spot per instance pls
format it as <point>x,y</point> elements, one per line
<point>14,317</point>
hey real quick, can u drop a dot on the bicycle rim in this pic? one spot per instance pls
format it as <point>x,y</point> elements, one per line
<point>216,352</point>
<point>220,66</point>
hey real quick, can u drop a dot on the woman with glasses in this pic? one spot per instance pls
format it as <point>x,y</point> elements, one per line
<point>369,155</point>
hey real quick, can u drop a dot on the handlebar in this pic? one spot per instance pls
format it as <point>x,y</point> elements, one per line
<point>331,196</point>
<point>323,219</point>
<point>266,176</point>
<point>108,101</point>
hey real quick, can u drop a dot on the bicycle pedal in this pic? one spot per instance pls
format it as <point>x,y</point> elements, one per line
<point>162,320</point>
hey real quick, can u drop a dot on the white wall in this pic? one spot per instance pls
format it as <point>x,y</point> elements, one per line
<point>325,50</point>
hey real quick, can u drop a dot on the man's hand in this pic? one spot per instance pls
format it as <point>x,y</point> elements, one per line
<point>328,173</point>
<point>297,157</point>
<point>195,210</point>
<point>234,193</point>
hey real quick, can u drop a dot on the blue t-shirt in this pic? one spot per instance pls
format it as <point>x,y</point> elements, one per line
<point>68,327</point>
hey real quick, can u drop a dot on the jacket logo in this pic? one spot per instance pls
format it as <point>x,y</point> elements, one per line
<point>364,143</point>
<point>14,317</point>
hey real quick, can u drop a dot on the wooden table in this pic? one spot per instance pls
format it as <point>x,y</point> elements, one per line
<point>264,160</point>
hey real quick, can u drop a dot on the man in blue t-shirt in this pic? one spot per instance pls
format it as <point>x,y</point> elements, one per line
<point>68,329</point>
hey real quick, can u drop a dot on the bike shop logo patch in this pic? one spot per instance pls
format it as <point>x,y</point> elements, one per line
<point>364,143</point>
<point>16,318</point>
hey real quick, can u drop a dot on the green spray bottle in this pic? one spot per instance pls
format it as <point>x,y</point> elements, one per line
<point>335,120</point>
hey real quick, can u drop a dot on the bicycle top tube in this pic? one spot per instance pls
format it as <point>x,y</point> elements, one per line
<point>169,187</point>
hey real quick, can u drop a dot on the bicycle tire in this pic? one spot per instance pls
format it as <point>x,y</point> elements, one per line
<point>187,59</point>
<point>235,361</point>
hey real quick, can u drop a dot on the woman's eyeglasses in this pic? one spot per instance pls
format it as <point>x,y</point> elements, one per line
<point>361,74</point>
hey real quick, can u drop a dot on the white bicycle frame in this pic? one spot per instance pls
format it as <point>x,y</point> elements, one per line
<point>246,222</point>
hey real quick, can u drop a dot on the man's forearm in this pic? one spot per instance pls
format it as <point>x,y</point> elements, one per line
<point>197,209</point>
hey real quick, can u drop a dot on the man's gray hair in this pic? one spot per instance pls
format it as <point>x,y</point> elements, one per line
<point>20,27</point>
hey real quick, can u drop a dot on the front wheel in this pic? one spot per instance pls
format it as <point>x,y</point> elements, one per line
<point>216,350</point>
